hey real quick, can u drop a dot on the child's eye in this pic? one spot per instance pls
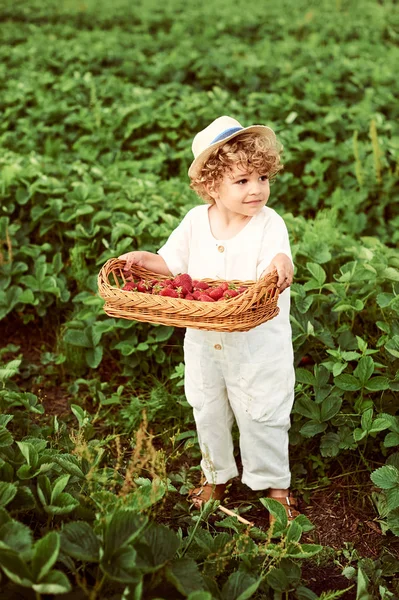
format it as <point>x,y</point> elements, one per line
<point>242,181</point>
<point>264,177</point>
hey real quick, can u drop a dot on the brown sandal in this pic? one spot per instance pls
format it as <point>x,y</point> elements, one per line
<point>289,503</point>
<point>206,491</point>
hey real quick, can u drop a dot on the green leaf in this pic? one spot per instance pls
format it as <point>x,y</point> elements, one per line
<point>55,582</point>
<point>123,528</point>
<point>8,491</point>
<point>330,407</point>
<point>304,376</point>
<point>391,440</point>
<point>381,423</point>
<point>160,544</point>
<point>16,536</point>
<point>79,541</point>
<point>305,550</point>
<point>64,504</point>
<point>240,586</point>
<point>15,568</point>
<point>276,509</point>
<point>306,407</point>
<point>377,384</point>
<point>163,333</point>
<point>317,272</point>
<point>364,369</point>
<point>278,580</point>
<point>311,428</point>
<point>386,477</point>
<point>29,453</point>
<point>294,532</point>
<point>329,444</point>
<point>6,438</point>
<point>200,596</point>
<point>390,273</point>
<point>183,573</point>
<point>94,356</point>
<point>121,566</point>
<point>347,382</point>
<point>362,586</point>
<point>393,498</point>
<point>70,464</point>
<point>46,554</point>
<point>392,346</point>
<point>77,337</point>
<point>58,486</point>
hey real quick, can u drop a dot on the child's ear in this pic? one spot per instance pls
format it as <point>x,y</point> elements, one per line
<point>211,190</point>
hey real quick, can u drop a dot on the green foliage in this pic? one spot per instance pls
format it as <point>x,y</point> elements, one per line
<point>95,145</point>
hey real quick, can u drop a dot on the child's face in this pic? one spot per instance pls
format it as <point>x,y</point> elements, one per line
<point>241,192</point>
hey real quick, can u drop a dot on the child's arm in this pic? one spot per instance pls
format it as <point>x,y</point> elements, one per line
<point>285,270</point>
<point>147,260</point>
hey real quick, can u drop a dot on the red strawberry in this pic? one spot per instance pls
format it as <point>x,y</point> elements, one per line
<point>168,282</point>
<point>201,285</point>
<point>224,286</point>
<point>189,297</point>
<point>142,286</point>
<point>196,294</point>
<point>206,298</point>
<point>230,294</point>
<point>183,280</point>
<point>130,286</point>
<point>216,293</point>
<point>242,289</point>
<point>169,292</point>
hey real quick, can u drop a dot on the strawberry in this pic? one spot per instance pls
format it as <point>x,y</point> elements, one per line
<point>142,286</point>
<point>189,297</point>
<point>201,285</point>
<point>230,294</point>
<point>157,289</point>
<point>196,294</point>
<point>242,289</point>
<point>168,282</point>
<point>169,292</point>
<point>130,286</point>
<point>183,280</point>
<point>206,298</point>
<point>216,293</point>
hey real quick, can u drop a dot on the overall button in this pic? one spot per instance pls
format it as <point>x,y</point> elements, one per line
<point>217,347</point>
<point>221,248</point>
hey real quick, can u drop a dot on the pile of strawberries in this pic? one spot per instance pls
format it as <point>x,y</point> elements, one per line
<point>183,286</point>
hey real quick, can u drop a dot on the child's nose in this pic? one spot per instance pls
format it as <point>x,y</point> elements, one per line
<point>255,188</point>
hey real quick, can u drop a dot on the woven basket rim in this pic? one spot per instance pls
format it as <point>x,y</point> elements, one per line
<point>255,305</point>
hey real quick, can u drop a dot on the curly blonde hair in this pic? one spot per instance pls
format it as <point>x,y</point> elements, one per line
<point>247,151</point>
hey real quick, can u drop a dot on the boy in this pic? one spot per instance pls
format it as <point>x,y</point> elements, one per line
<point>242,376</point>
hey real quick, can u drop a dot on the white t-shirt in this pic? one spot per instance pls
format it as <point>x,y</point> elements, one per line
<point>192,248</point>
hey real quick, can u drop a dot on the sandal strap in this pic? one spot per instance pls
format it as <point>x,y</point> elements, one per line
<point>210,488</point>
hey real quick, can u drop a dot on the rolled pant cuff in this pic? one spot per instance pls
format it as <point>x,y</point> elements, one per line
<point>256,482</point>
<point>217,477</point>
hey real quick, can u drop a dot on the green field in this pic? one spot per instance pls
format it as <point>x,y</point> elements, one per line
<point>98,449</point>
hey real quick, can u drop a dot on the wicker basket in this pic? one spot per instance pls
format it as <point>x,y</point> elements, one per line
<point>251,308</point>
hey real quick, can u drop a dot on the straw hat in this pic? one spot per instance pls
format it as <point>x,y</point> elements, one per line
<point>217,133</point>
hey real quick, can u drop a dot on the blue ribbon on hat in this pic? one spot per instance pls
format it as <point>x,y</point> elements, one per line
<point>225,134</point>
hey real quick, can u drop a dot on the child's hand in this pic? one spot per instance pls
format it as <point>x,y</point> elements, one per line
<point>147,260</point>
<point>132,258</point>
<point>282,263</point>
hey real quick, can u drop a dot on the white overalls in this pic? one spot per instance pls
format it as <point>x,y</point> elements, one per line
<point>246,376</point>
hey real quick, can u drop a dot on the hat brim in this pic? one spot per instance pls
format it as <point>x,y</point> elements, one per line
<point>198,162</point>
